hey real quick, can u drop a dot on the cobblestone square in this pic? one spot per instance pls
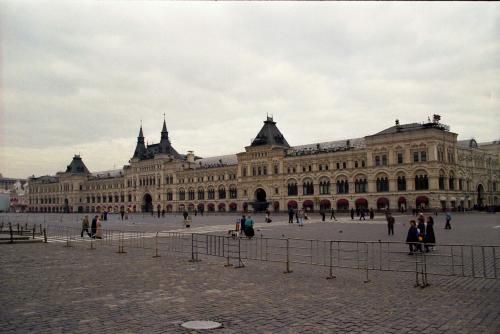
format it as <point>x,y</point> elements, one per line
<point>49,288</point>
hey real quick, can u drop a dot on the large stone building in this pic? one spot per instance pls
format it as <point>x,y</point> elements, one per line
<point>402,167</point>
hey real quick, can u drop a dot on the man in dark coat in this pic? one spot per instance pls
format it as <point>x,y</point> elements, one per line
<point>430,237</point>
<point>185,214</point>
<point>290,215</point>
<point>242,223</point>
<point>412,237</point>
<point>390,224</point>
<point>352,213</point>
<point>93,227</point>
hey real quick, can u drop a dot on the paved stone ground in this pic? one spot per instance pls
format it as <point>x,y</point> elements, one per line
<point>48,288</point>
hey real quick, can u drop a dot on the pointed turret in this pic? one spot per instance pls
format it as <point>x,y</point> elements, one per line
<point>140,149</point>
<point>165,145</point>
<point>164,132</point>
<point>270,135</point>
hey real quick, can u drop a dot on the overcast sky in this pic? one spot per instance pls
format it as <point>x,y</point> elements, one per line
<point>78,77</point>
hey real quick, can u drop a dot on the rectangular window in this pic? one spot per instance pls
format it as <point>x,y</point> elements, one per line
<point>344,165</point>
<point>338,165</point>
<point>377,160</point>
<point>275,169</point>
<point>423,156</point>
<point>400,158</point>
<point>356,164</point>
<point>362,163</point>
<point>415,156</point>
<point>384,160</point>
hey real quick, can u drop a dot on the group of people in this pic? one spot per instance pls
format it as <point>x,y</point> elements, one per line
<point>299,214</point>
<point>421,233</point>
<point>95,227</point>
<point>245,225</point>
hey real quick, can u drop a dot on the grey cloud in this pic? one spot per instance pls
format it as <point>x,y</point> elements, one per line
<point>82,75</point>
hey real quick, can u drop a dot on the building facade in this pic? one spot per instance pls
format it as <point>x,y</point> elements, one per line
<point>417,165</point>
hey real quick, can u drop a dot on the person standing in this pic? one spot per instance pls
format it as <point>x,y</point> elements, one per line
<point>372,214</point>
<point>322,212</point>
<point>352,213</point>
<point>448,219</point>
<point>85,226</point>
<point>163,212</point>
<point>332,215</point>
<point>159,212</point>
<point>122,213</point>
<point>242,223</point>
<point>412,237</point>
<point>98,231</point>
<point>268,216</point>
<point>300,217</point>
<point>421,225</point>
<point>249,232</point>
<point>195,212</point>
<point>93,226</point>
<point>390,224</point>
<point>185,214</point>
<point>430,237</point>
<point>290,215</point>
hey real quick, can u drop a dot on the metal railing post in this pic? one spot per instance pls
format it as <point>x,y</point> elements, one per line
<point>156,246</point>
<point>11,235</point>
<point>331,276</point>
<point>228,264</point>
<point>287,271</point>
<point>120,244</point>
<point>367,280</point>
<point>240,263</point>
<point>194,256</point>
<point>45,235</point>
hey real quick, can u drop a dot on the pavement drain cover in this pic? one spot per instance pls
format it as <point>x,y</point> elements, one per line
<point>199,324</point>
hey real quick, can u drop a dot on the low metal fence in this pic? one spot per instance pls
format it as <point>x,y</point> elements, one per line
<point>452,260</point>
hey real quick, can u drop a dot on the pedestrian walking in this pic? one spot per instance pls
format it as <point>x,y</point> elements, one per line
<point>322,212</point>
<point>412,237</point>
<point>448,219</point>
<point>93,226</point>
<point>85,226</point>
<point>98,230</point>
<point>390,224</point>
<point>163,212</point>
<point>185,214</point>
<point>352,213</point>
<point>362,214</point>
<point>332,214</point>
<point>195,212</point>
<point>122,213</point>
<point>290,215</point>
<point>430,237</point>
<point>372,214</point>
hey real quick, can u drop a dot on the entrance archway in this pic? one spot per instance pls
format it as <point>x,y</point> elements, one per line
<point>480,195</point>
<point>260,202</point>
<point>147,203</point>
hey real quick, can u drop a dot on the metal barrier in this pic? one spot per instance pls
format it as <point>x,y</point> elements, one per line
<point>456,260</point>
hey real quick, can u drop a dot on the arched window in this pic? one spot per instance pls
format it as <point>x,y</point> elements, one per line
<point>201,193</point>
<point>182,195</point>
<point>222,192</point>
<point>382,184</point>
<point>421,182</point>
<point>441,180</point>
<point>233,193</point>
<point>360,185</point>
<point>191,194</point>
<point>292,188</point>
<point>342,187</point>
<point>211,193</point>
<point>169,196</point>
<point>451,181</point>
<point>401,183</point>
<point>324,187</point>
<point>308,187</point>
